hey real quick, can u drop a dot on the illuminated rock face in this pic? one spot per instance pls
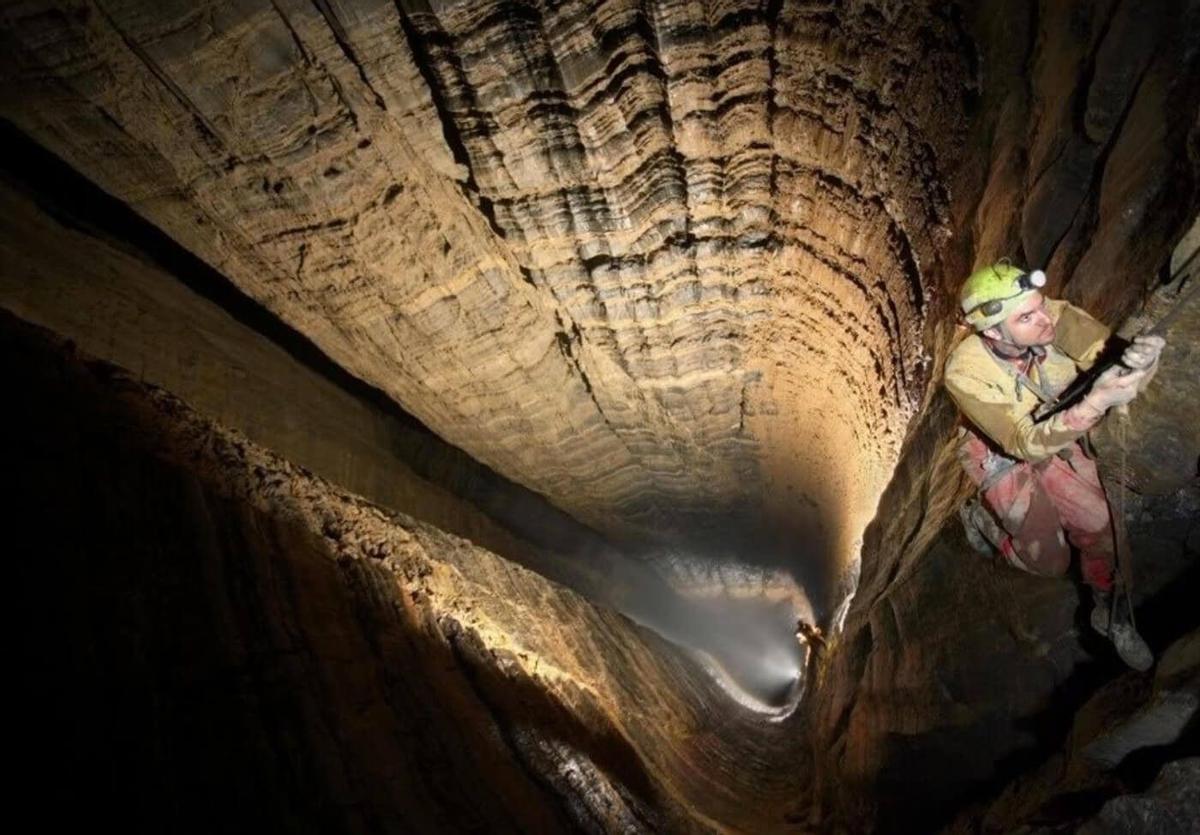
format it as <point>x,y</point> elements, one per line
<point>684,273</point>
<point>235,644</point>
<point>656,262</point>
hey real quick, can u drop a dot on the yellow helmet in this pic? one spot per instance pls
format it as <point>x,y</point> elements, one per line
<point>990,294</point>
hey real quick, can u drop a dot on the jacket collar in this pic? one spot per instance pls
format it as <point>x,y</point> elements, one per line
<point>1014,353</point>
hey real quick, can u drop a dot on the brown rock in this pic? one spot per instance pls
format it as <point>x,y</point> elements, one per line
<point>687,271</point>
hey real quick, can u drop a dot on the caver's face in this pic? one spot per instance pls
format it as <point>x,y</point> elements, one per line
<point>1030,324</point>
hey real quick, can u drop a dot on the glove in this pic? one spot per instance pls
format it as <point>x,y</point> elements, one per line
<point>1143,353</point>
<point>1115,387</point>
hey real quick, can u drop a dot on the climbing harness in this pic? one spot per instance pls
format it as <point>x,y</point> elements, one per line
<point>997,465</point>
<point>1020,378</point>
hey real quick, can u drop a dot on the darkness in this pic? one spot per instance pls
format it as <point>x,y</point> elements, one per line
<point>130,706</point>
<point>179,651</point>
<point>187,663</point>
<point>78,203</point>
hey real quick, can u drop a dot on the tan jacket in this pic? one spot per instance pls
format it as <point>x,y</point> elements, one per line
<point>990,396</point>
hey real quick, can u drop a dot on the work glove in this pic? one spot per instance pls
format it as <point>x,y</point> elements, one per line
<point>1143,348</point>
<point>1143,352</point>
<point>1115,387</point>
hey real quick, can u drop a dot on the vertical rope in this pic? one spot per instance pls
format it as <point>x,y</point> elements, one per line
<point>1120,534</point>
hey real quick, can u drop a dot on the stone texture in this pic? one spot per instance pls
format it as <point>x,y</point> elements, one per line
<point>215,639</point>
<point>686,271</point>
<point>1156,449</point>
<point>1163,717</point>
<point>994,663</point>
<point>1171,807</point>
<point>657,263</point>
<point>103,279</point>
<point>1130,725</point>
<point>115,305</point>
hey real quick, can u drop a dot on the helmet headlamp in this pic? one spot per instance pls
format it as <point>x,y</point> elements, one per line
<point>1024,283</point>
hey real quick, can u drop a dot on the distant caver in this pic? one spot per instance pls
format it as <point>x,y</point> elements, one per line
<point>811,638</point>
<point>1039,488</point>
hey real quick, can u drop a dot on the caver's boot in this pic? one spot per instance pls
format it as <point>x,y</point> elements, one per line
<point>983,531</point>
<point>1101,610</point>
<point>1114,623</point>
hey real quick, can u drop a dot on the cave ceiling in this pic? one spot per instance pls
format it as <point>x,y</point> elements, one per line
<point>665,263</point>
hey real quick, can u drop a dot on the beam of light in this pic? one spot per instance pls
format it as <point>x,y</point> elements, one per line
<point>740,622</point>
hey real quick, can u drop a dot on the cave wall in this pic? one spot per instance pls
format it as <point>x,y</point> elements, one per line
<point>115,306</point>
<point>954,674</point>
<point>1091,152</point>
<point>1167,452</point>
<point>81,264</point>
<point>213,638</point>
<point>661,263</point>
<point>667,264</point>
<point>685,271</point>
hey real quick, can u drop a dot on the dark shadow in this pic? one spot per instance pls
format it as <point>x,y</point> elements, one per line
<point>79,204</point>
<point>1162,619</point>
<point>190,662</point>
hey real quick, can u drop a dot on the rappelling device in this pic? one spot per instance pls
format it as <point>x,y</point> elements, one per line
<point>1111,356</point>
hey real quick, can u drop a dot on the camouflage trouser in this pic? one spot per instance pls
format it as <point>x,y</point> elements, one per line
<point>1042,505</point>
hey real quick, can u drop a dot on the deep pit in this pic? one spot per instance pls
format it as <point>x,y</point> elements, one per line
<point>445,411</point>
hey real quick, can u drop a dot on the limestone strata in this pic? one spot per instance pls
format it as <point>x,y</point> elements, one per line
<point>654,261</point>
<point>102,279</point>
<point>355,669</point>
<point>83,267</point>
<point>682,269</point>
<point>1101,202</point>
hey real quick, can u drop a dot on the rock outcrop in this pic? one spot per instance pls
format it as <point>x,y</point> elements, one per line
<point>92,272</point>
<point>658,263</point>
<point>216,639</point>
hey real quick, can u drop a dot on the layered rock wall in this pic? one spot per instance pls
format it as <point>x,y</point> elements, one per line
<point>80,264</point>
<point>215,639</point>
<point>953,673</point>
<point>679,269</point>
<point>659,262</point>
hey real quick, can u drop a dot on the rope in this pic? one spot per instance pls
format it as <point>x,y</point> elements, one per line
<point>1121,553</point>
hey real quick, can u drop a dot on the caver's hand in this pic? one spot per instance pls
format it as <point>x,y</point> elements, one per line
<point>1144,352</point>
<point>1115,387</point>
